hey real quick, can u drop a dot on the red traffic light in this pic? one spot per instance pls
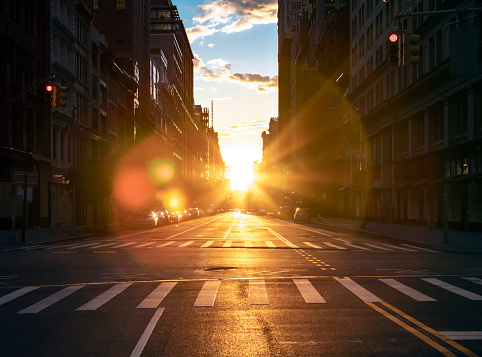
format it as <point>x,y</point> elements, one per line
<point>49,88</point>
<point>393,37</point>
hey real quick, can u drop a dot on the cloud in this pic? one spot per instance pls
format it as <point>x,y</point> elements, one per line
<point>262,83</point>
<point>247,128</point>
<point>231,16</point>
<point>216,69</point>
<point>211,45</point>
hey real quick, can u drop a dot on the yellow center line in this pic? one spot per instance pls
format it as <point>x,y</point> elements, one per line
<point>432,331</point>
<point>420,335</point>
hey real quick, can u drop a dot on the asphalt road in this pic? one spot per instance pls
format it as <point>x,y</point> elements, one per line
<point>239,285</point>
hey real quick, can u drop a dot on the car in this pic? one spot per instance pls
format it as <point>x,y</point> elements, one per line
<point>302,215</point>
<point>286,212</point>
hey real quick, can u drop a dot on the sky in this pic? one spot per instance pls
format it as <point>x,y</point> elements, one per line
<point>234,43</point>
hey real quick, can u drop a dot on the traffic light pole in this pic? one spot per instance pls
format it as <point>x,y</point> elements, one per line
<point>27,90</point>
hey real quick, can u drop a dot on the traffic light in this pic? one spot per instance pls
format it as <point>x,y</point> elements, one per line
<point>59,96</point>
<point>411,49</point>
<point>394,49</point>
<point>49,88</point>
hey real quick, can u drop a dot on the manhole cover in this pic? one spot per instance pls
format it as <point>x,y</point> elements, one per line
<point>219,268</point>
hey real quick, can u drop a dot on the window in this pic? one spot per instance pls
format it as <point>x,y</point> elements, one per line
<point>120,4</point>
<point>95,4</point>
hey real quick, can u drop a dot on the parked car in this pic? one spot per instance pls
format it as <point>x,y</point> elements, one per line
<point>286,212</point>
<point>302,215</point>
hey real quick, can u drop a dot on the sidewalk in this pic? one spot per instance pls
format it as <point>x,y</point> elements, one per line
<point>459,241</point>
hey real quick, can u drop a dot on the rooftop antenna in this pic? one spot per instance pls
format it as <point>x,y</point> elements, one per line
<point>212,113</point>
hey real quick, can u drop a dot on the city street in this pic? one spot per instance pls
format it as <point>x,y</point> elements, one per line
<point>239,285</point>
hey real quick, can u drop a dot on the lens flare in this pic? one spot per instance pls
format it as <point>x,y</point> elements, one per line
<point>162,171</point>
<point>133,188</point>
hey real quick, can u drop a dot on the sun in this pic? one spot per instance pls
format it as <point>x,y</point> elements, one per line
<point>240,157</point>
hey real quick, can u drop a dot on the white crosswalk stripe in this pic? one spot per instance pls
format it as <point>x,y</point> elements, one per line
<point>52,299</point>
<point>208,293</point>
<point>105,297</point>
<point>358,290</point>
<point>414,294</point>
<point>474,280</point>
<point>333,245</point>
<point>166,244</point>
<point>185,244</point>
<point>420,248</point>
<point>15,294</point>
<point>452,288</point>
<point>313,245</point>
<point>310,294</point>
<point>270,244</point>
<point>156,297</point>
<point>257,293</point>
<point>356,246</point>
<point>207,244</point>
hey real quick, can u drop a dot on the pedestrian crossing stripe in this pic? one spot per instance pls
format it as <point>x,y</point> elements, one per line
<point>344,245</point>
<point>258,293</point>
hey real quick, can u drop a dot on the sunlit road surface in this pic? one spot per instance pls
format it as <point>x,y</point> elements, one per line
<point>239,285</point>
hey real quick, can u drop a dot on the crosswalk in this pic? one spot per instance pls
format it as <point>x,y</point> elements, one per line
<point>312,291</point>
<point>342,245</point>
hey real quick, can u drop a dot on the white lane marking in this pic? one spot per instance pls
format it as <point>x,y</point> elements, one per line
<point>398,247</point>
<point>313,245</point>
<point>414,294</point>
<point>208,293</point>
<point>207,244</point>
<point>334,246</point>
<point>414,247</point>
<point>377,246</point>
<point>103,298</point>
<point>248,244</point>
<point>310,294</point>
<point>227,244</point>
<point>188,230</point>
<point>82,245</point>
<point>60,246</point>
<point>166,244</point>
<point>281,238</point>
<point>155,298</point>
<point>102,245</point>
<point>227,233</point>
<point>257,293</point>
<point>50,300</point>
<point>270,244</point>
<point>462,335</point>
<point>147,333</point>
<point>124,245</point>
<point>474,280</point>
<point>356,246</point>
<point>143,245</point>
<point>358,290</point>
<point>15,294</point>
<point>452,288</point>
<point>323,234</point>
<point>185,244</point>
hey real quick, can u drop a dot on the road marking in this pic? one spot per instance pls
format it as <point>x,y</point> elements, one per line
<point>103,298</point>
<point>147,333</point>
<point>257,293</point>
<point>474,280</point>
<point>358,290</point>
<point>334,246</point>
<point>313,245</point>
<point>417,333</point>
<point>50,300</point>
<point>15,294</point>
<point>227,233</point>
<point>60,245</point>
<point>207,244</point>
<point>155,298</point>
<point>143,245</point>
<point>414,247</point>
<point>281,238</point>
<point>248,244</point>
<point>310,294</point>
<point>377,246</point>
<point>452,288</point>
<point>270,244</point>
<point>82,245</point>
<point>185,244</point>
<point>103,245</point>
<point>414,294</point>
<point>432,331</point>
<point>463,335</point>
<point>175,235</point>
<point>124,245</point>
<point>356,246</point>
<point>323,234</point>
<point>207,295</point>
<point>166,244</point>
<point>398,247</point>
<point>227,244</point>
